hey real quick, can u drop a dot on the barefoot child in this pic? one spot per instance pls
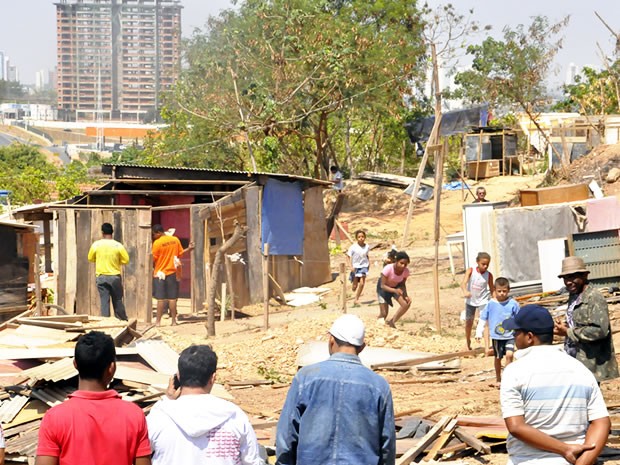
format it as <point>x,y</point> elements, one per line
<point>357,257</point>
<point>391,285</point>
<point>477,287</point>
<point>494,314</point>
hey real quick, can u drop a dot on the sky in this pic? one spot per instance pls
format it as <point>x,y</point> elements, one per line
<point>28,27</point>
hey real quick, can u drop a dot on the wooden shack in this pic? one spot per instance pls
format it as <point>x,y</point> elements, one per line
<point>18,266</point>
<point>201,205</point>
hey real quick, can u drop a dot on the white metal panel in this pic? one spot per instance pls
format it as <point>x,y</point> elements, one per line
<point>551,254</point>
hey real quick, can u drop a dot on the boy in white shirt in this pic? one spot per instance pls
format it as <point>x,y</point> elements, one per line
<point>357,257</point>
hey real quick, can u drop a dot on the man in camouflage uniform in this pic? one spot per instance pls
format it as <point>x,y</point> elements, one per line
<point>587,328</point>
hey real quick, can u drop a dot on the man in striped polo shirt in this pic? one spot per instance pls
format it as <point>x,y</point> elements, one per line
<point>551,403</point>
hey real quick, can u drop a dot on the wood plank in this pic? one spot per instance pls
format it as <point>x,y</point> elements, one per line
<point>131,276</point>
<point>441,441</point>
<point>48,353</point>
<point>61,318</point>
<point>15,318</point>
<point>198,290</point>
<point>70,264</point>
<point>85,270</point>
<point>472,441</point>
<point>435,358</point>
<point>48,324</point>
<point>427,440</point>
<point>253,245</point>
<point>316,269</point>
<point>61,263</point>
<point>144,267</point>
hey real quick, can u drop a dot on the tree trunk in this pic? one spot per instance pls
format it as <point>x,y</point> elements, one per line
<point>215,272</point>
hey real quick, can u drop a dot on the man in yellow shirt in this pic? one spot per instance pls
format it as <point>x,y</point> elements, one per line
<point>109,255</point>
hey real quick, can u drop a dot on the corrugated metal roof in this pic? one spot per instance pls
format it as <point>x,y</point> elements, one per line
<point>17,225</point>
<point>209,170</point>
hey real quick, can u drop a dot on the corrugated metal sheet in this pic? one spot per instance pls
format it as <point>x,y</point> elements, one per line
<point>24,444</point>
<point>9,408</point>
<point>51,395</point>
<point>207,170</point>
<point>158,355</point>
<point>52,371</point>
<point>601,253</point>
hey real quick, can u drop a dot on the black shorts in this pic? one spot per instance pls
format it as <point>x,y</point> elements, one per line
<point>166,289</point>
<point>501,346</point>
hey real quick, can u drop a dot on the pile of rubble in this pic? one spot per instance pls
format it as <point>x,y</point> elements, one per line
<point>37,371</point>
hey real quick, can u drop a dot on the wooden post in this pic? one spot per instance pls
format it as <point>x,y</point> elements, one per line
<point>432,140</point>
<point>343,289</point>
<point>438,181</point>
<point>266,288</point>
<point>231,291</point>
<point>207,281</point>
<point>37,275</point>
<point>223,302</point>
<point>462,161</point>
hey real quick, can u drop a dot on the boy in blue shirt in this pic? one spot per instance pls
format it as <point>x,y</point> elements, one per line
<point>494,314</point>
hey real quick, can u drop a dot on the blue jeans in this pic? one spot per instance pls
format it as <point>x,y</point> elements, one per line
<point>111,287</point>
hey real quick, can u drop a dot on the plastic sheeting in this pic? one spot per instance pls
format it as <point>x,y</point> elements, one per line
<point>452,122</point>
<point>282,218</point>
<point>518,231</point>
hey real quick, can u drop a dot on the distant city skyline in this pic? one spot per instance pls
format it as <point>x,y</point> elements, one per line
<point>28,28</point>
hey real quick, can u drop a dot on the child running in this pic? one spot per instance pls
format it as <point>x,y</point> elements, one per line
<point>477,287</point>
<point>391,285</point>
<point>358,260</point>
<point>494,314</point>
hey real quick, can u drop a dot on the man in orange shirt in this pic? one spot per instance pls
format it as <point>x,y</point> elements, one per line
<point>166,253</point>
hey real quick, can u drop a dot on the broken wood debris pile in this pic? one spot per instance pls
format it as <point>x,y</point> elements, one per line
<point>37,372</point>
<point>450,438</point>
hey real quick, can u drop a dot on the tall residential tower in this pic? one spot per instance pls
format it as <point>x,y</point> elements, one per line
<point>115,57</point>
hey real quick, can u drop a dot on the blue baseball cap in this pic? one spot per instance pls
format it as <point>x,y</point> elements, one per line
<point>531,318</point>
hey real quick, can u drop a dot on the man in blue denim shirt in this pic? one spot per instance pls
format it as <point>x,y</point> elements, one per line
<point>338,411</point>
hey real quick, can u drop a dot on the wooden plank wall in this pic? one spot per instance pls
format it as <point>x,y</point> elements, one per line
<point>218,218</point>
<point>316,269</point>
<point>197,228</point>
<point>253,243</point>
<point>77,229</point>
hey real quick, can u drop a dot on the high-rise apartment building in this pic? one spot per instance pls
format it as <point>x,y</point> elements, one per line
<point>115,57</point>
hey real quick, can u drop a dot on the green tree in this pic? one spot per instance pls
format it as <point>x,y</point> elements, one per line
<point>594,92</point>
<point>267,83</point>
<point>11,91</point>
<point>512,72</point>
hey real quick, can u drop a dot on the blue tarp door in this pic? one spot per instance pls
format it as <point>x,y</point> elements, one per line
<point>282,218</point>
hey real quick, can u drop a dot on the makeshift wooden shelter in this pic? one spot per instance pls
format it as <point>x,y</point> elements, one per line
<point>201,205</point>
<point>18,258</point>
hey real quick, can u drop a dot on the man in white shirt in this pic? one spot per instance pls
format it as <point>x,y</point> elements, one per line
<point>191,426</point>
<point>551,403</point>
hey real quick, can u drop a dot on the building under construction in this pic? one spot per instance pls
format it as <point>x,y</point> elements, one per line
<point>115,57</point>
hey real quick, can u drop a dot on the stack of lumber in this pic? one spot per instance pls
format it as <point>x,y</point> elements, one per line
<point>452,437</point>
<point>443,363</point>
<point>37,372</point>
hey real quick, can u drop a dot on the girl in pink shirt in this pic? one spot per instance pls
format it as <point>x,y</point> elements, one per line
<point>391,285</point>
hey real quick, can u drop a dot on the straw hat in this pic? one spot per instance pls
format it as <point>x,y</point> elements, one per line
<point>572,265</point>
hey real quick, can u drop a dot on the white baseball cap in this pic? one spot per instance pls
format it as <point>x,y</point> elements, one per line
<point>349,328</point>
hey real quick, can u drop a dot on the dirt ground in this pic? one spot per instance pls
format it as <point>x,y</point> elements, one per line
<point>247,353</point>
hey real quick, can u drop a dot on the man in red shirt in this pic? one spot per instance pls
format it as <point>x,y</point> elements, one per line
<point>167,251</point>
<point>94,426</point>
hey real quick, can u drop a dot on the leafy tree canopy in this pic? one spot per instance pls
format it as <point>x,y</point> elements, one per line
<point>594,92</point>
<point>512,71</point>
<point>275,82</point>
<point>31,178</point>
